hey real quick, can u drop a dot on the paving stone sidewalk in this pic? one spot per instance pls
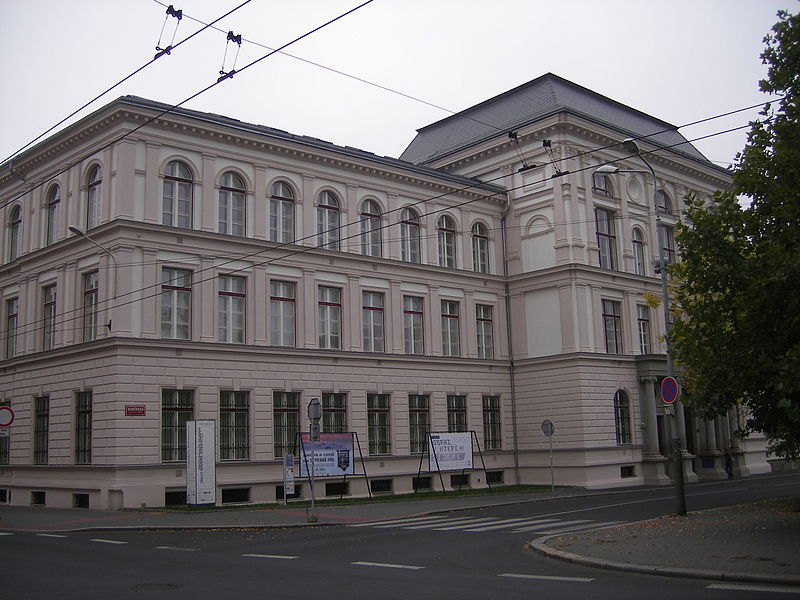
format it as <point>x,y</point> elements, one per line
<point>758,541</point>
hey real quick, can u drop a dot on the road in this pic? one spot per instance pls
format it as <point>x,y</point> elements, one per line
<point>469,554</point>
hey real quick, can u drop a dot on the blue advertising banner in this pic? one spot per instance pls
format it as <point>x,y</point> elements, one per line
<point>332,455</point>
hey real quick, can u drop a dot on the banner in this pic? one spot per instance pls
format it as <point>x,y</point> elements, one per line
<point>332,455</point>
<point>201,475</point>
<point>450,451</point>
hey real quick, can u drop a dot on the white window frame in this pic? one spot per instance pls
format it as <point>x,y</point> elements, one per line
<point>93,198</point>
<point>231,308</point>
<point>177,196</point>
<point>372,322</point>
<point>480,248</point>
<point>328,220</point>
<point>232,205</point>
<point>281,213</point>
<point>485,330</point>
<point>446,237</point>
<point>330,317</point>
<point>413,330</point>
<point>371,244</point>
<point>282,313</point>
<point>409,236</point>
<point>176,303</point>
<point>451,330</point>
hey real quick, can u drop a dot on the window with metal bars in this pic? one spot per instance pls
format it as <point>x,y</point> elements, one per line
<point>234,425</point>
<point>334,413</point>
<point>419,408</point>
<point>379,424</point>
<point>83,428</point>
<point>491,423</point>
<point>177,407</point>
<point>285,423</point>
<point>456,413</point>
<point>41,429</point>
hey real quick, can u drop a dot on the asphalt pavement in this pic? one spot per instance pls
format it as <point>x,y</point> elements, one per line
<point>753,542</point>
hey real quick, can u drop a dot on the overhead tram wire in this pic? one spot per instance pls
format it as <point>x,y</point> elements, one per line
<point>304,249</point>
<point>179,104</point>
<point>162,52</point>
<point>356,78</point>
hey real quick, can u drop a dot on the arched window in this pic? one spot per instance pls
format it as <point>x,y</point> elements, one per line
<point>14,232</point>
<point>480,248</point>
<point>446,233</point>
<point>409,235</point>
<point>53,203</point>
<point>622,417</point>
<point>663,203</point>
<point>328,221</point>
<point>639,255</point>
<point>232,204</point>
<point>667,243</point>
<point>370,228</point>
<point>281,213</point>
<point>93,197</point>
<point>177,200</point>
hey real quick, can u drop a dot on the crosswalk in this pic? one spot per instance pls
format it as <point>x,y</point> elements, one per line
<point>531,525</point>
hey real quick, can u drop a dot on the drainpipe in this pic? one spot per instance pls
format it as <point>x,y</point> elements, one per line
<point>509,330</point>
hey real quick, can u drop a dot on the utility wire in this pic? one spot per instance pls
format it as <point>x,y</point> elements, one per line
<point>304,249</point>
<point>124,79</point>
<point>179,104</point>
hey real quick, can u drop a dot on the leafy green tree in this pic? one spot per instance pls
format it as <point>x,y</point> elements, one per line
<point>737,294</point>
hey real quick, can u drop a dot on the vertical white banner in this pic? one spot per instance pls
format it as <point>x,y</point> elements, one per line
<point>201,464</point>
<point>288,475</point>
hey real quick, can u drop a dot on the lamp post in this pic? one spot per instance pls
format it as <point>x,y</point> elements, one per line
<point>631,146</point>
<point>83,234</point>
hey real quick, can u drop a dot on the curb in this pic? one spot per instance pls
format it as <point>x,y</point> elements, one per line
<point>540,546</point>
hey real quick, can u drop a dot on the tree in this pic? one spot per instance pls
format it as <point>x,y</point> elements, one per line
<point>737,291</point>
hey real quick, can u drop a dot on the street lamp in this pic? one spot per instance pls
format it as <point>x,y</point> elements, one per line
<point>83,234</point>
<point>632,147</point>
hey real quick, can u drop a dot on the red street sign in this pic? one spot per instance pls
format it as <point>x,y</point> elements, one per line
<point>6,416</point>
<point>135,411</point>
<point>670,390</point>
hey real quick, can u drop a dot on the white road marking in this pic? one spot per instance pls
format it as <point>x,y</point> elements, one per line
<point>399,522</point>
<point>741,587</point>
<point>176,548</point>
<point>275,556</point>
<point>6,533</point>
<point>511,523</point>
<point>50,535</point>
<point>387,565</point>
<point>102,541</point>
<point>547,577</point>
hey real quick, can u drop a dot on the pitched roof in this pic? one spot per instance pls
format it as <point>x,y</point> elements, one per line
<point>544,96</point>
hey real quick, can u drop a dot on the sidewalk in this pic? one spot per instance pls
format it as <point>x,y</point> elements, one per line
<point>757,542</point>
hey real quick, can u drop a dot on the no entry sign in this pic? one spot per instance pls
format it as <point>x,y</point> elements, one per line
<point>6,416</point>
<point>669,390</point>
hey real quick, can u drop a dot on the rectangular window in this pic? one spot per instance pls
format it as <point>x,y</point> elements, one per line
<point>281,220</point>
<point>282,311</point>
<point>372,321</point>
<point>234,425</point>
<point>456,413</point>
<point>176,302</point>
<point>334,413</point>
<point>230,309</point>
<point>606,238</point>
<point>622,417</point>
<point>450,330</point>
<point>612,327</point>
<point>378,421</point>
<point>667,243</point>
<point>49,317</point>
<point>12,320</point>
<point>177,408</point>
<point>5,448</point>
<point>491,423</point>
<point>83,428</point>
<point>643,324</point>
<point>41,429</point>
<point>412,325</point>
<point>419,407</point>
<point>330,317</point>
<point>484,325</point>
<point>286,423</point>
<point>90,288</point>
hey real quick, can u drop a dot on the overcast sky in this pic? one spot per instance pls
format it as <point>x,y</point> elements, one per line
<point>678,60</point>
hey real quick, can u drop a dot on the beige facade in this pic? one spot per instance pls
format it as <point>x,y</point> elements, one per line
<point>233,272</point>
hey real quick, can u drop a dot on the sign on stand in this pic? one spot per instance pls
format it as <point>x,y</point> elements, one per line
<point>331,456</point>
<point>201,476</point>
<point>450,451</point>
<point>288,477</point>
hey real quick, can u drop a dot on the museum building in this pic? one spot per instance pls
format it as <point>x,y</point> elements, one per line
<point>162,265</point>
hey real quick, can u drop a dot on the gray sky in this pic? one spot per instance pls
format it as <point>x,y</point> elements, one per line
<point>678,60</point>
